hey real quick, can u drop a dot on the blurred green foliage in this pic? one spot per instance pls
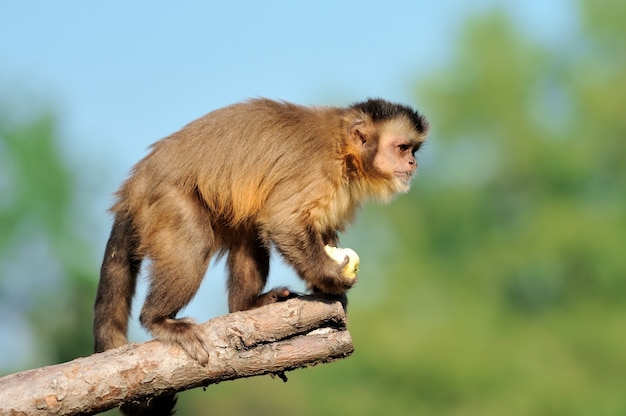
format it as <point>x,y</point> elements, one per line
<point>45,269</point>
<point>495,287</point>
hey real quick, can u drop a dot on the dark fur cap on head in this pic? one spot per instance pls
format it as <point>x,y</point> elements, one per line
<point>381,110</point>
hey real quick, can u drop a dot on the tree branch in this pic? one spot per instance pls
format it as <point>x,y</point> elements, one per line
<point>300,332</point>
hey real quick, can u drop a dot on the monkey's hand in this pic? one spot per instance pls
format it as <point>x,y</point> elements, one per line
<point>347,258</point>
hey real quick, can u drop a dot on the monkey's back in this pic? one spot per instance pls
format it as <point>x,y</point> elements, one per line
<point>244,159</point>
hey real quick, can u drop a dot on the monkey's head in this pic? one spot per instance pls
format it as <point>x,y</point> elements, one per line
<point>383,140</point>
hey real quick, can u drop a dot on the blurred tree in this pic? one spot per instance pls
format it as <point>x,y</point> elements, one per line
<point>536,135</point>
<point>46,271</point>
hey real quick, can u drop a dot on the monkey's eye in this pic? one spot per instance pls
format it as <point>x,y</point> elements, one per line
<point>404,147</point>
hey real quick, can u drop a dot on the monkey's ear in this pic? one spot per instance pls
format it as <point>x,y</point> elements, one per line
<point>358,135</point>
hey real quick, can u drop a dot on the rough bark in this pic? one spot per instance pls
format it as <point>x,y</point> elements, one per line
<point>301,332</point>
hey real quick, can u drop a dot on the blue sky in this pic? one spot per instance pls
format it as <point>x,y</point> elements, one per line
<point>123,74</point>
<point>120,75</point>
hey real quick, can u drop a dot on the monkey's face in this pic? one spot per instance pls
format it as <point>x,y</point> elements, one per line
<point>395,158</point>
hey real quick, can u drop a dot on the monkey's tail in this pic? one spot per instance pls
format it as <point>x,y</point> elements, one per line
<point>117,286</point>
<point>118,278</point>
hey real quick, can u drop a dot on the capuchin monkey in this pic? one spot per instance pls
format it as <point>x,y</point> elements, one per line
<point>238,181</point>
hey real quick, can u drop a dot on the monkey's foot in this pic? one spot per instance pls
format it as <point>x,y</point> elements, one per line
<point>278,294</point>
<point>186,333</point>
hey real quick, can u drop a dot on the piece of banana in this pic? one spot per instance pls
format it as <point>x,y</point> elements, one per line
<point>339,254</point>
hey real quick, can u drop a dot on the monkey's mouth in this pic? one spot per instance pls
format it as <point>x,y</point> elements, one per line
<point>403,180</point>
<point>405,176</point>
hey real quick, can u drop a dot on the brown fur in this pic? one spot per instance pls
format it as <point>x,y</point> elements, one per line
<point>240,180</point>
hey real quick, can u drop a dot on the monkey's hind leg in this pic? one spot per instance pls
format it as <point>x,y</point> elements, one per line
<point>179,257</point>
<point>172,288</point>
